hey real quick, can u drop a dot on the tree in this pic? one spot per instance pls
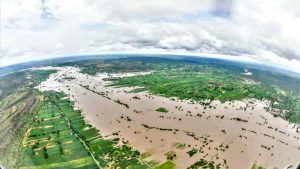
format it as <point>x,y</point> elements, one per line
<point>45,153</point>
<point>61,150</point>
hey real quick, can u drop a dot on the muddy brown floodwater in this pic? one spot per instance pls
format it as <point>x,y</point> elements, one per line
<point>225,133</point>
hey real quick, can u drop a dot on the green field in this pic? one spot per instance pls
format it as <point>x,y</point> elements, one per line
<point>166,165</point>
<point>41,130</point>
<point>60,138</point>
<point>204,80</point>
<point>207,164</point>
<point>50,141</point>
<point>19,101</point>
<point>204,83</point>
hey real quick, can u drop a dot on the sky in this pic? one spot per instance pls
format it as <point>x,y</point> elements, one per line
<point>264,31</point>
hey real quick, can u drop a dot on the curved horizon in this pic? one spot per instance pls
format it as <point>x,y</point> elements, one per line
<point>245,59</point>
<point>261,31</point>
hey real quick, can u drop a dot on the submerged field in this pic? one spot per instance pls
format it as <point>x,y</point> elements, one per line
<point>145,112</point>
<point>204,79</point>
<point>60,138</point>
<point>41,130</point>
<point>200,83</point>
<point>178,132</point>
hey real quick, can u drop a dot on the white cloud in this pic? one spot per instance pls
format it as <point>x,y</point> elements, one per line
<point>262,30</point>
<point>59,46</point>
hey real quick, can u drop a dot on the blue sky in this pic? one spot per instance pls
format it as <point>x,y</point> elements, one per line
<point>264,31</point>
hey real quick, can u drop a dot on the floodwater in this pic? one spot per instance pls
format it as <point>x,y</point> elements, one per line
<point>226,133</point>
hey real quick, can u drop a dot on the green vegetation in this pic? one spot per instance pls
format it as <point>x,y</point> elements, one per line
<point>162,109</point>
<point>89,70</point>
<point>59,136</point>
<point>166,165</point>
<point>50,140</point>
<point>206,164</point>
<point>93,66</point>
<point>171,155</point>
<point>202,83</point>
<point>255,166</point>
<point>180,146</point>
<point>56,135</point>
<point>53,135</point>
<point>39,76</point>
<point>192,152</point>
<point>195,83</point>
<point>18,104</point>
<point>204,79</point>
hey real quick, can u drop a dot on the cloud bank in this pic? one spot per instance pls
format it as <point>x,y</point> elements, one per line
<point>264,31</point>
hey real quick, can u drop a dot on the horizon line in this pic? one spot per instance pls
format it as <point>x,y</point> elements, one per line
<point>235,58</point>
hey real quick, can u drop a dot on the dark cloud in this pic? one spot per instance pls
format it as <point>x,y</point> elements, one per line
<point>223,8</point>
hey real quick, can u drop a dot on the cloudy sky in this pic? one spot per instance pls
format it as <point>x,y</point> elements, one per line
<point>265,31</point>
